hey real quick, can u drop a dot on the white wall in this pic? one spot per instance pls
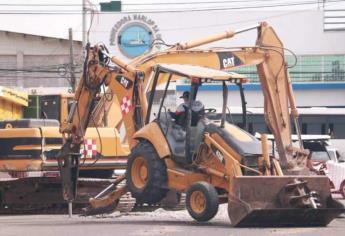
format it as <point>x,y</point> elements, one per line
<point>300,31</point>
<point>329,97</point>
<point>31,52</point>
<point>11,43</point>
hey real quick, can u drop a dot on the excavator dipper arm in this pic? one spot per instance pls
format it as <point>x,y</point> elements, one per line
<point>73,130</point>
<point>120,80</point>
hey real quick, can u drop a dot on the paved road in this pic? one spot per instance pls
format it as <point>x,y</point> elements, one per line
<point>159,222</point>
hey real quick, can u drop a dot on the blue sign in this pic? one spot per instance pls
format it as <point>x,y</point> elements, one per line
<point>134,40</point>
<point>134,35</point>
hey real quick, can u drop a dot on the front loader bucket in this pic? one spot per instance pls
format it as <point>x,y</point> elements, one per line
<point>282,201</point>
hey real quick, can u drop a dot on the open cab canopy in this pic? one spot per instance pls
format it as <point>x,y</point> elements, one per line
<point>205,73</point>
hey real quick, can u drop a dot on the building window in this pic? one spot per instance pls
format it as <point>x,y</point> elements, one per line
<point>331,129</point>
<point>304,128</point>
<point>323,128</point>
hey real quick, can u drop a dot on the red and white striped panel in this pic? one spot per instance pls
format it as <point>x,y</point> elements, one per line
<point>89,148</point>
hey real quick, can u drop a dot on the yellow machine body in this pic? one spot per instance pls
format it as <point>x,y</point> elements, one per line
<point>35,149</point>
<point>211,162</point>
<point>12,103</point>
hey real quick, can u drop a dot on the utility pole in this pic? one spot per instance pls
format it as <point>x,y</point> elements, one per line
<point>84,24</point>
<point>71,71</point>
<point>71,60</point>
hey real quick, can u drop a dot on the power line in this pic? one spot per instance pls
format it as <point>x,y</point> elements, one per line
<point>199,2</point>
<point>257,19</point>
<point>299,3</point>
<point>33,77</point>
<point>31,71</point>
<point>39,4</point>
<point>41,67</point>
<point>73,12</point>
<point>145,3</point>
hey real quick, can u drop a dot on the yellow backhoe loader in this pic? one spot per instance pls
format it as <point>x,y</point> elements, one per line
<point>212,162</point>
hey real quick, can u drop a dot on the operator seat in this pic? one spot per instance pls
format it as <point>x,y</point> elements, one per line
<point>176,133</point>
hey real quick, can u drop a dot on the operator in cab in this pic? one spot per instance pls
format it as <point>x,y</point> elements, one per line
<point>180,115</point>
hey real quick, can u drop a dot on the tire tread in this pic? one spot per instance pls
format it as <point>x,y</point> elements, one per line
<point>153,192</point>
<point>212,203</point>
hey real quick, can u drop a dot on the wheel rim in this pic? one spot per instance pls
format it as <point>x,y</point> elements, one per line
<point>139,172</point>
<point>198,202</point>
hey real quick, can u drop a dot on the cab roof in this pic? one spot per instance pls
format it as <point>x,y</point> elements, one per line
<point>191,71</point>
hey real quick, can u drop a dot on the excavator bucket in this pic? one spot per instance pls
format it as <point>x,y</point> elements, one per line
<point>281,201</point>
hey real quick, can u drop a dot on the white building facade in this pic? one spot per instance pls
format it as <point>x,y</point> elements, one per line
<point>38,62</point>
<point>320,68</point>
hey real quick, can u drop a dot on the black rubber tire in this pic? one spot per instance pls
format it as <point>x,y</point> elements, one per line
<point>211,197</point>
<point>154,190</point>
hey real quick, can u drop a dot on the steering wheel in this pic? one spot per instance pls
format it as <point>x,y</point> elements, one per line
<point>323,167</point>
<point>320,167</point>
<point>210,110</point>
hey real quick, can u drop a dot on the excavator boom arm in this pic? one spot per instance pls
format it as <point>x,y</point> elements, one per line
<point>97,72</point>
